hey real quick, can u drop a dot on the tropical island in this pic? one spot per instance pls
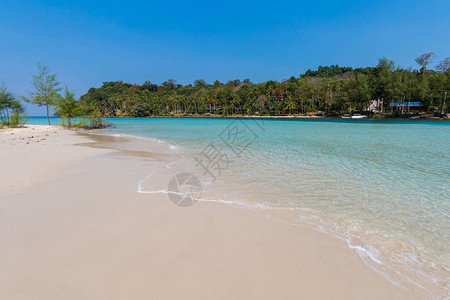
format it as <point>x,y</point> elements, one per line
<point>381,91</point>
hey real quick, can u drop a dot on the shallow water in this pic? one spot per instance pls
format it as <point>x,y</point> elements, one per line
<point>383,186</point>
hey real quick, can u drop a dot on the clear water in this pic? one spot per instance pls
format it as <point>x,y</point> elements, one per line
<point>383,186</point>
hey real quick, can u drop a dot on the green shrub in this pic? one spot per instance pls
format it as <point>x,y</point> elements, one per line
<point>11,110</point>
<point>17,120</point>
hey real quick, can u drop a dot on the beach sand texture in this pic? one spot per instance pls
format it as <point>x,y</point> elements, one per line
<point>72,226</point>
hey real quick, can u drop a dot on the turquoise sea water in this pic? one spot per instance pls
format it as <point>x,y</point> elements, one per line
<point>382,186</point>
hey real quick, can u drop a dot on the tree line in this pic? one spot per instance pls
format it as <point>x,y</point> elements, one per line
<point>329,90</point>
<point>386,90</point>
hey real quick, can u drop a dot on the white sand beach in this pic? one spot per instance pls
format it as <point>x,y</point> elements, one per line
<point>72,226</point>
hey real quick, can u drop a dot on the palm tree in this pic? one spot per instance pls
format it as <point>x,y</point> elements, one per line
<point>290,105</point>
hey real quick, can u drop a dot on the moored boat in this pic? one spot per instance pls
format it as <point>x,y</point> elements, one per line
<point>355,116</point>
<point>358,116</point>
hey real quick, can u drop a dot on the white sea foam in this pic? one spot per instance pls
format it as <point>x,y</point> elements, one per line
<point>368,253</point>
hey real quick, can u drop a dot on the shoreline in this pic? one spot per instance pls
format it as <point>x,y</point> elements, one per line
<point>421,280</point>
<point>287,117</point>
<point>100,165</point>
<point>312,117</point>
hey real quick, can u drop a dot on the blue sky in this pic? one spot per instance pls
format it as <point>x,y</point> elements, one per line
<point>90,42</point>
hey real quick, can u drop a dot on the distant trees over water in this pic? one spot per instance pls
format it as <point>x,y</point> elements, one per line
<point>331,90</point>
<point>385,90</point>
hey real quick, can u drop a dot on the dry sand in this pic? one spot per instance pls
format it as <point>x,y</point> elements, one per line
<point>72,226</point>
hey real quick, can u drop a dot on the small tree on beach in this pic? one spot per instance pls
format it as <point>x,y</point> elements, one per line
<point>10,109</point>
<point>46,89</point>
<point>67,106</point>
<point>6,100</point>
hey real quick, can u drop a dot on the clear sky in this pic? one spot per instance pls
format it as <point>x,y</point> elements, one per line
<point>90,42</point>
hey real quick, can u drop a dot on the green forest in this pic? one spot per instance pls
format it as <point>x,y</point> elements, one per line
<point>384,90</point>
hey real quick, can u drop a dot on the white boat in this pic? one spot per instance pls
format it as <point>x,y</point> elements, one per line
<point>346,116</point>
<point>358,116</point>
